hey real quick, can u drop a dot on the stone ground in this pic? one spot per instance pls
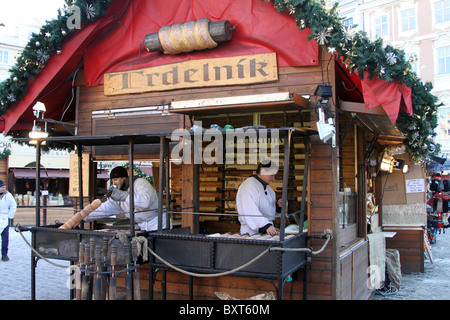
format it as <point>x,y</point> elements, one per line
<point>15,274</point>
<point>51,281</point>
<point>434,283</point>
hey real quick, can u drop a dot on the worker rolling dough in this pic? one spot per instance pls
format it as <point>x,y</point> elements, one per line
<point>145,201</point>
<point>256,202</point>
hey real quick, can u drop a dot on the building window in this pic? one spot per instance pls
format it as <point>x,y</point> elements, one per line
<point>408,19</point>
<point>381,26</point>
<point>443,60</point>
<point>444,123</point>
<point>348,23</point>
<point>3,57</point>
<point>347,203</point>
<point>442,11</point>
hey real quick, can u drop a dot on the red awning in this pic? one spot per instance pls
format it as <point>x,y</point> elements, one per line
<point>392,96</point>
<point>147,170</point>
<point>23,173</point>
<point>112,44</point>
<point>53,84</point>
<point>103,174</point>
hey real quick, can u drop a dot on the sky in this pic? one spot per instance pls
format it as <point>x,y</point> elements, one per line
<point>14,11</point>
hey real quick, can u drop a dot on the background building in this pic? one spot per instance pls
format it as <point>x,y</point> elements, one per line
<point>421,28</point>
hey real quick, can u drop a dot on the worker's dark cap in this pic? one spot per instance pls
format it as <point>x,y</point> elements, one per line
<point>2,184</point>
<point>118,172</point>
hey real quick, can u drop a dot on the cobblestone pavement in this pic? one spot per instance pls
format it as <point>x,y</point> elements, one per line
<point>15,274</point>
<point>434,283</point>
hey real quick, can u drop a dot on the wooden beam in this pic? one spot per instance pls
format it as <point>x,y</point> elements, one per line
<point>261,102</point>
<point>358,107</point>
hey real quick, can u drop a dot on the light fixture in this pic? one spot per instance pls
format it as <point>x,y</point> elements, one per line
<point>399,164</point>
<point>34,142</point>
<point>38,108</point>
<point>326,130</point>
<point>37,132</point>
<point>387,162</point>
<point>325,92</point>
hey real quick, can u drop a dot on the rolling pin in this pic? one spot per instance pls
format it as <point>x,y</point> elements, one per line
<point>81,215</point>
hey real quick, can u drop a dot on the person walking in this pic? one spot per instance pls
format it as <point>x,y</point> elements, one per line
<point>8,209</point>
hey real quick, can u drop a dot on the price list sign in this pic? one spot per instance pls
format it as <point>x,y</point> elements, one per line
<point>73,177</point>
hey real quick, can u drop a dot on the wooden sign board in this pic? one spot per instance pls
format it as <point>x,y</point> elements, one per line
<point>73,175</point>
<point>194,74</point>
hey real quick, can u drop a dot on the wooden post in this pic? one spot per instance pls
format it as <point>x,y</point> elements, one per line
<point>188,195</point>
<point>161,182</point>
<point>131,180</point>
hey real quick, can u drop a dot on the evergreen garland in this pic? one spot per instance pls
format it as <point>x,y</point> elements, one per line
<point>43,45</point>
<point>353,49</point>
<point>5,153</point>
<point>360,54</point>
<point>139,172</point>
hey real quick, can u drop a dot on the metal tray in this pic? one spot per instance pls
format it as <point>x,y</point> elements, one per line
<point>199,253</point>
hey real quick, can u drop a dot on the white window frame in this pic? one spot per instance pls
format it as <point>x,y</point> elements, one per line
<point>375,26</point>
<point>409,19</point>
<point>446,121</point>
<point>447,60</point>
<point>2,52</point>
<point>440,81</point>
<point>442,24</point>
<point>348,22</point>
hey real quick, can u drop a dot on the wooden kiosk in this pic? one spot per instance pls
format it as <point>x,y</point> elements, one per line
<point>252,78</point>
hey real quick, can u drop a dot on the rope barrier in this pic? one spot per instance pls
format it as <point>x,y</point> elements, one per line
<point>36,252</point>
<point>204,275</point>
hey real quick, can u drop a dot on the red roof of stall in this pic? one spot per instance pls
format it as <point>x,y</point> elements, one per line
<point>112,43</point>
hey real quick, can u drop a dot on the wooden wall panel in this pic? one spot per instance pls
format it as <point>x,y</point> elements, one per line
<point>320,273</point>
<point>353,273</point>
<point>409,243</point>
<point>348,155</point>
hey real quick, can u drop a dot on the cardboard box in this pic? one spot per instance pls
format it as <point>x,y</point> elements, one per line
<point>399,188</point>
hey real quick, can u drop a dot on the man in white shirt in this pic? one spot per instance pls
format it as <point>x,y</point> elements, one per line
<point>256,201</point>
<point>145,201</point>
<point>8,209</point>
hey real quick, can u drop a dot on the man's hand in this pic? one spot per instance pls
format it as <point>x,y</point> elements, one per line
<point>280,202</point>
<point>272,231</point>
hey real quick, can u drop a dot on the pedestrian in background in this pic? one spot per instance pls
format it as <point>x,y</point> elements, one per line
<point>8,208</point>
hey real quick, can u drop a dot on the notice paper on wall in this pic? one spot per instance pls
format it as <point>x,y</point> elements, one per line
<point>415,185</point>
